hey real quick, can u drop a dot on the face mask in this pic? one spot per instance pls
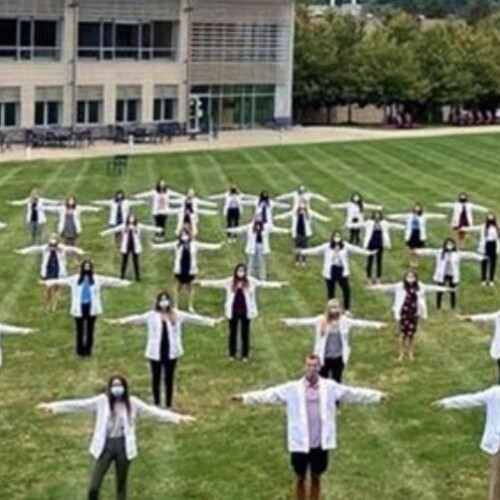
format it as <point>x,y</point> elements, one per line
<point>117,391</point>
<point>164,304</point>
<point>337,240</point>
<point>240,274</point>
<point>450,248</point>
<point>184,239</point>
<point>410,281</point>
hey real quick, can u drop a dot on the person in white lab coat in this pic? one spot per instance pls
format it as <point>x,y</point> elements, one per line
<point>377,238</point>
<point>489,399</point>
<point>265,206</point>
<point>447,272</point>
<point>409,307</point>
<point>131,232</point>
<point>35,214</point>
<point>301,227</point>
<point>489,246</point>
<point>164,346</point>
<point>311,404</point>
<point>463,215</point>
<point>416,228</point>
<point>114,436</point>
<point>493,318</point>
<point>258,245</point>
<point>331,342</point>
<point>336,270</point>
<point>186,269</point>
<point>240,306</point>
<point>69,226</point>
<point>355,209</point>
<point>301,196</point>
<point>86,304</point>
<point>161,198</point>
<point>53,265</point>
<point>11,330</point>
<point>234,201</point>
<point>119,210</point>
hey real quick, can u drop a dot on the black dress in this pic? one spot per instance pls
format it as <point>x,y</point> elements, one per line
<point>184,277</point>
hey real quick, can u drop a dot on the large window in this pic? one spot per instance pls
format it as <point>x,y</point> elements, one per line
<point>9,114</point>
<point>236,106</point>
<point>88,112</point>
<point>127,110</point>
<point>29,39</point>
<point>115,40</point>
<point>47,113</point>
<point>165,109</point>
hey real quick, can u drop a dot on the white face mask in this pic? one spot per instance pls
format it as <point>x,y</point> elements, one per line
<point>117,391</point>
<point>53,243</point>
<point>337,239</point>
<point>240,274</point>
<point>449,247</point>
<point>164,304</point>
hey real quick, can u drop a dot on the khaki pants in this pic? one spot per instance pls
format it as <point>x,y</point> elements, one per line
<point>495,477</point>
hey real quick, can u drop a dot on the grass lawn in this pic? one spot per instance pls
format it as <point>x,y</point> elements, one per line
<point>404,450</point>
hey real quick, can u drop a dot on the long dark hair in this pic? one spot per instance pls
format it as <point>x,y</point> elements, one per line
<point>264,197</point>
<point>120,195</point>
<point>236,279</point>
<point>445,244</point>
<point>332,242</point>
<point>377,215</point>
<point>161,186</point>
<point>170,311</point>
<point>84,273</point>
<point>129,217</point>
<point>359,202</point>
<point>126,395</point>
<point>415,285</point>
<point>184,231</point>
<point>258,225</point>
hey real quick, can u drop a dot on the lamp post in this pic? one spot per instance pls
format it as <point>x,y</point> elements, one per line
<point>188,10</point>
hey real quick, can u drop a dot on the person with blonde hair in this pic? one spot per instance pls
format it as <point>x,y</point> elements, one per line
<point>331,344</point>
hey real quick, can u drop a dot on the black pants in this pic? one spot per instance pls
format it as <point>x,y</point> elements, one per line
<point>448,281</point>
<point>161,222</point>
<point>301,242</point>
<point>135,262</point>
<point>333,368</point>
<point>378,259</point>
<point>355,236</point>
<point>331,284</point>
<point>315,462</point>
<point>85,325</point>
<point>232,218</point>
<point>241,324</point>
<point>114,451</point>
<point>167,366</point>
<point>489,265</point>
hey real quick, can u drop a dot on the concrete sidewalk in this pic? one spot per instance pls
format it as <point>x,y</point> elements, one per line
<point>241,139</point>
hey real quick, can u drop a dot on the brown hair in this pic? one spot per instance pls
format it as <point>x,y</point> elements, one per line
<point>125,397</point>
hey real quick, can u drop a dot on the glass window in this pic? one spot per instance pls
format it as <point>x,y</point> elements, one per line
<point>80,112</point>
<point>45,33</point>
<point>127,110</point>
<point>8,32</point>
<point>132,110</point>
<point>264,110</point>
<point>89,39</point>
<point>127,40</point>
<point>40,113</point>
<point>164,109</point>
<point>88,112</point>
<point>94,111</point>
<point>157,108</point>
<point>26,33</point>
<point>120,110</point>
<point>9,114</point>
<point>52,113</point>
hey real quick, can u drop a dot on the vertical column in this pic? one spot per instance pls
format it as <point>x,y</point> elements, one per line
<point>183,58</point>
<point>147,102</point>
<point>109,105</point>
<point>69,39</point>
<point>27,113</point>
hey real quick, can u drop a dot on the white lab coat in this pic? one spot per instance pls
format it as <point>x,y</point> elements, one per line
<point>252,237</point>
<point>346,324</point>
<point>160,202</point>
<point>328,253</point>
<point>153,322</point>
<point>422,222</point>
<point>237,200</point>
<point>300,198</point>
<point>490,399</point>
<point>41,208</point>
<point>386,226</point>
<point>11,330</point>
<point>293,396</point>
<point>455,259</point>
<point>76,291</point>
<point>136,235</point>
<point>398,289</point>
<point>61,211</point>
<point>249,293</point>
<point>481,248</point>
<point>194,247</point>
<point>470,208</point>
<point>354,214</point>
<point>495,340</point>
<point>113,209</point>
<point>62,252</point>
<point>100,406</point>
<point>259,208</point>
<point>294,216</point>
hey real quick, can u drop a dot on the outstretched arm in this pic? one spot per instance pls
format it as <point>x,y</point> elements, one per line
<point>363,323</point>
<point>358,250</point>
<point>109,281</point>
<point>269,284</point>
<point>472,256</point>
<point>197,319</point>
<point>169,245</point>
<point>479,208</point>
<point>149,229</point>
<point>112,230</point>
<point>319,250</point>
<point>33,250</point>
<point>213,283</point>
<point>473,400</point>
<point>275,396</point>
<point>298,322</point>
<point>427,252</point>
<point>238,230</point>
<point>358,395</point>
<point>58,282</point>
<point>284,215</point>
<point>318,216</point>
<point>15,330</point>
<point>134,319</point>
<point>389,287</point>
<point>144,194</point>
<point>166,416</point>
<point>88,208</point>
<point>70,405</point>
<point>209,246</point>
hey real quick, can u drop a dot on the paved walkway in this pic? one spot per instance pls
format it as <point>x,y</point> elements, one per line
<point>242,139</point>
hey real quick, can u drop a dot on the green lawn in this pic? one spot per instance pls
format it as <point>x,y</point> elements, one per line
<point>404,450</point>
